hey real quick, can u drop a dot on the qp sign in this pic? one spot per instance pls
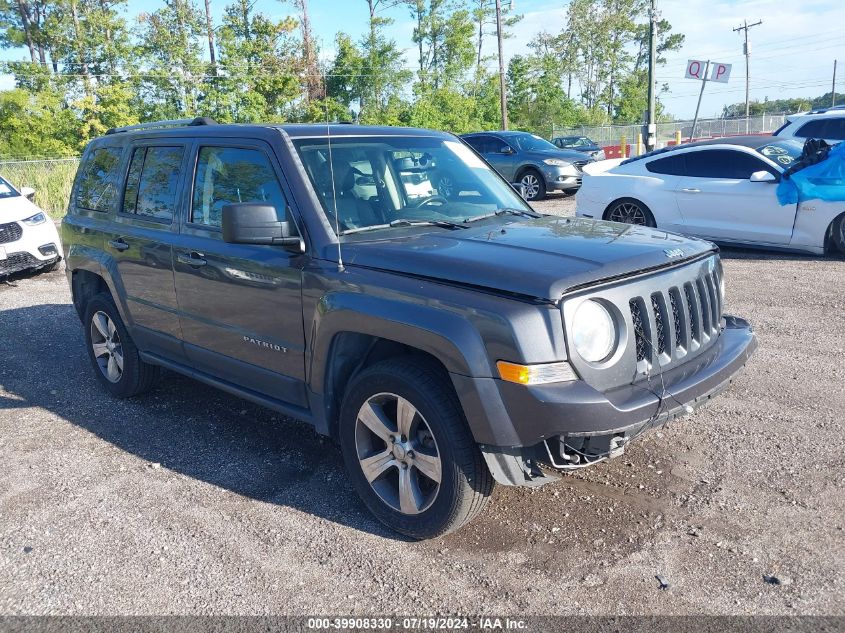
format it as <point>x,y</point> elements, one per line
<point>720,72</point>
<point>698,69</point>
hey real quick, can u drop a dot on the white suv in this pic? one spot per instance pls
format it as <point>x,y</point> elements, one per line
<point>28,237</point>
<point>826,123</point>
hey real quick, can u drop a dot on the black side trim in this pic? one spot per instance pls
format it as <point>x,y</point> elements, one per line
<point>276,405</point>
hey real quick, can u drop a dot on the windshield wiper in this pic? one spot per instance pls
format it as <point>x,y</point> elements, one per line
<point>520,212</point>
<point>403,222</point>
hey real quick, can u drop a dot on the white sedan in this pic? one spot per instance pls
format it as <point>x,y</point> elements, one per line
<point>722,190</point>
<point>28,237</point>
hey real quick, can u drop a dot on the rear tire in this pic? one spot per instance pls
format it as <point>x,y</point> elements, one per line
<point>630,211</point>
<point>114,356</point>
<point>533,185</point>
<point>402,424</point>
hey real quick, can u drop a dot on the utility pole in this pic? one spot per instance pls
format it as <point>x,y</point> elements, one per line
<point>503,94</point>
<point>651,129</point>
<point>746,50</point>
<point>833,89</point>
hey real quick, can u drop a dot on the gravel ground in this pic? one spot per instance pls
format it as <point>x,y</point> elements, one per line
<point>191,501</point>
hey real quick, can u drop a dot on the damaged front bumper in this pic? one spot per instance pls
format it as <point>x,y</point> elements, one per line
<point>572,425</point>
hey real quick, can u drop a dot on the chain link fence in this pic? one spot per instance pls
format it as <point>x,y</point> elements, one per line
<point>667,132</point>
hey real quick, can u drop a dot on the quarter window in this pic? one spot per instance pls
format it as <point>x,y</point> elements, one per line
<point>722,163</point>
<point>228,175</point>
<point>98,184</point>
<point>152,181</point>
<point>671,166</point>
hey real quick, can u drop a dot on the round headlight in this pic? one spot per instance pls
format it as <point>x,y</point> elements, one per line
<point>593,332</point>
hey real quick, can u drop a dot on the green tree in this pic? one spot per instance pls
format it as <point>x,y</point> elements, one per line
<point>172,68</point>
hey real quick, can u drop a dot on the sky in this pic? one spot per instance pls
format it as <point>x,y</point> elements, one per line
<point>792,51</point>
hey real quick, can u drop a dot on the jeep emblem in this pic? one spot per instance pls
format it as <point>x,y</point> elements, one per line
<point>674,252</point>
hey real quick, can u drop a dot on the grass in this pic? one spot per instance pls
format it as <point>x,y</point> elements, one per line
<point>51,179</point>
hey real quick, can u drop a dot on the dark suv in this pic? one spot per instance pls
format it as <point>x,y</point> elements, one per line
<point>445,339</point>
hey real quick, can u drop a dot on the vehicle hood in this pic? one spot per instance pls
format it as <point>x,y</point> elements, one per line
<point>584,149</point>
<point>602,166</point>
<point>539,259</point>
<point>564,154</point>
<point>15,209</point>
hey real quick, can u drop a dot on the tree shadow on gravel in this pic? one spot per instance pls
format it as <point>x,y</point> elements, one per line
<point>182,425</point>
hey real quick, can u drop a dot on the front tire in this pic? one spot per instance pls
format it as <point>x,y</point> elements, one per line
<point>838,234</point>
<point>533,185</point>
<point>630,211</point>
<point>114,356</point>
<point>408,450</point>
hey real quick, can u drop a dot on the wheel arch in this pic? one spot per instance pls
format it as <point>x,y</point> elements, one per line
<point>830,245</point>
<point>621,199</point>
<point>351,332</point>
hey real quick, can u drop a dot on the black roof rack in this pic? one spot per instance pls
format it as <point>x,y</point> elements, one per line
<point>200,120</point>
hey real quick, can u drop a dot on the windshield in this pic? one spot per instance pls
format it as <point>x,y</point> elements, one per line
<point>529,143</point>
<point>399,181</point>
<point>784,153</point>
<point>576,141</point>
<point>7,190</point>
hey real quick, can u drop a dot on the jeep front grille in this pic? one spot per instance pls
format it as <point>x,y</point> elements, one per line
<point>666,318</point>
<point>10,232</point>
<point>693,322</point>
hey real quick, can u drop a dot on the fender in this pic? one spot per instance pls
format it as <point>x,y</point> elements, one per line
<point>442,334</point>
<point>812,219</point>
<point>94,260</point>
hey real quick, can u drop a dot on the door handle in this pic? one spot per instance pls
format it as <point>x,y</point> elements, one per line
<point>118,244</point>
<point>691,190</point>
<point>194,259</point>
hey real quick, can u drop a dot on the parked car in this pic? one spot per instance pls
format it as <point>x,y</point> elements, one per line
<point>719,189</point>
<point>824,123</point>
<point>533,162</point>
<point>444,342</point>
<point>28,238</point>
<point>580,144</point>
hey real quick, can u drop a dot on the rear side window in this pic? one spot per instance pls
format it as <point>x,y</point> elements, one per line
<point>99,183</point>
<point>671,165</point>
<point>723,163</point>
<point>227,175</point>
<point>152,181</point>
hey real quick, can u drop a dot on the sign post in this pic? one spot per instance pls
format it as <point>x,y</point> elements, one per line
<point>697,69</point>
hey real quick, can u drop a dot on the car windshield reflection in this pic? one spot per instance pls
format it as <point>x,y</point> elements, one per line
<point>380,183</point>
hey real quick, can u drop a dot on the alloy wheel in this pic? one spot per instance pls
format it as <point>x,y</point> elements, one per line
<point>530,185</point>
<point>108,350</point>
<point>398,453</point>
<point>445,186</point>
<point>628,213</point>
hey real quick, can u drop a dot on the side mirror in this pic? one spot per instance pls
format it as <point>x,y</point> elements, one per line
<point>258,223</point>
<point>28,193</point>
<point>507,149</point>
<point>763,176</point>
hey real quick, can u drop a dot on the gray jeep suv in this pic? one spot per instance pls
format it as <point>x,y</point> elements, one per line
<point>445,340</point>
<point>533,162</point>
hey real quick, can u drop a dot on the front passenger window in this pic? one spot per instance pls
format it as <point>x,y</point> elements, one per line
<point>228,175</point>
